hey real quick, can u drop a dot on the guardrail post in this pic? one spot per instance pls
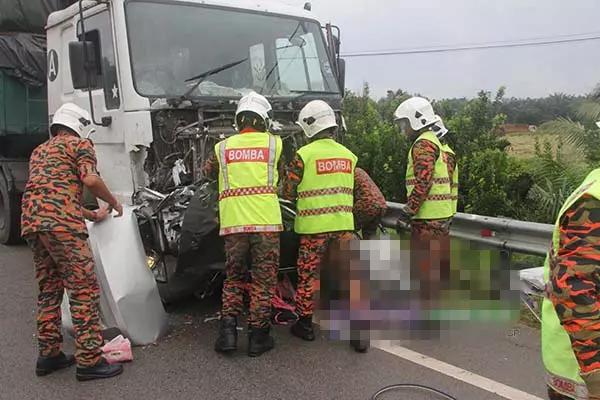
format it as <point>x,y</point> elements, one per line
<point>505,257</point>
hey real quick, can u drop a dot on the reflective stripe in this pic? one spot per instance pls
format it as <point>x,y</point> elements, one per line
<point>413,182</point>
<point>325,210</point>
<point>566,387</point>
<point>250,229</point>
<point>247,191</point>
<point>224,165</point>
<point>325,192</point>
<point>271,167</point>
<point>440,197</point>
<point>270,164</point>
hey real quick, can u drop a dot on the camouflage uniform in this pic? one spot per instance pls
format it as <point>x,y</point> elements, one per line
<point>574,277</point>
<point>369,204</point>
<point>430,239</point>
<point>312,247</point>
<point>53,225</point>
<point>264,250</point>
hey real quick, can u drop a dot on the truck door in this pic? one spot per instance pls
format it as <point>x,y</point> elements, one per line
<point>104,82</point>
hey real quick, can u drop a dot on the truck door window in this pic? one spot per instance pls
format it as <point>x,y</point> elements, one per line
<point>99,31</point>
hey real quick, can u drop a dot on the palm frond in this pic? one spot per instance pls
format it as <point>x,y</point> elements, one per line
<point>573,132</point>
<point>589,111</point>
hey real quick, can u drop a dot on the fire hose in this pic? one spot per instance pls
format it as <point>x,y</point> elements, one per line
<point>400,386</point>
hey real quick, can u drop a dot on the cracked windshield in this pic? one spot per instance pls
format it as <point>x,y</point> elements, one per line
<point>174,52</point>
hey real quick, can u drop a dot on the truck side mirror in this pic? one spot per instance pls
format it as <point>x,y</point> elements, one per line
<point>342,75</point>
<point>79,68</point>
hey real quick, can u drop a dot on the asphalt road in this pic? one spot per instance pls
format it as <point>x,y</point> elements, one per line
<point>184,365</point>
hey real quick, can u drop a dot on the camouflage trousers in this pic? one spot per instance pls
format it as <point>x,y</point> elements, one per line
<point>64,261</point>
<point>264,254</point>
<point>310,254</point>
<point>430,255</point>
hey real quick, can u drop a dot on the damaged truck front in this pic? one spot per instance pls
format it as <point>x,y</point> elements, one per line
<point>162,79</point>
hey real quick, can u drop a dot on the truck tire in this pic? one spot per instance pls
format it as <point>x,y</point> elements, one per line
<point>10,215</point>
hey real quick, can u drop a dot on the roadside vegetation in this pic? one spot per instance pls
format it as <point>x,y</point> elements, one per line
<point>525,175</point>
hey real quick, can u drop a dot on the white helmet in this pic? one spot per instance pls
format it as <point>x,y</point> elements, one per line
<point>74,117</point>
<point>315,117</point>
<point>418,111</point>
<point>441,130</point>
<point>257,104</point>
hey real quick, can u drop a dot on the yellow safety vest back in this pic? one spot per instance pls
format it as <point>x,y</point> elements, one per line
<point>562,369</point>
<point>248,178</point>
<point>326,193</point>
<point>438,203</point>
<point>454,184</point>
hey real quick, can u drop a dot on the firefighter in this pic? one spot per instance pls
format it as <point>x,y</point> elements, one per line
<point>52,223</point>
<point>571,309</point>
<point>320,179</point>
<point>248,166</point>
<point>429,207</point>
<point>369,204</point>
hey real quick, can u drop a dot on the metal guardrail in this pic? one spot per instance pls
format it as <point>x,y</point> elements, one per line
<point>505,234</point>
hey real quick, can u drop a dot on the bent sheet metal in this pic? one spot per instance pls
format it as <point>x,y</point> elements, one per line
<point>129,296</point>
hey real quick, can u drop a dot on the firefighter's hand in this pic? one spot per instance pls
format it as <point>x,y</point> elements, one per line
<point>102,213</point>
<point>118,208</point>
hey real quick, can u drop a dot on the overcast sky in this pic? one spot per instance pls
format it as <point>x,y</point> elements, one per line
<point>370,25</point>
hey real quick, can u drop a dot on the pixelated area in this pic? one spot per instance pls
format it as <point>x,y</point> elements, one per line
<point>381,290</point>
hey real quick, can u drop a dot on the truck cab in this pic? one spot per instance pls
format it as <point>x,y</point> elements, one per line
<point>161,78</point>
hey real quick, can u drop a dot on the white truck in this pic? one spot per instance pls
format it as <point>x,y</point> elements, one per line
<point>161,79</point>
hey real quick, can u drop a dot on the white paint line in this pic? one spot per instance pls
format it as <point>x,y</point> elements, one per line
<point>457,373</point>
<point>460,374</point>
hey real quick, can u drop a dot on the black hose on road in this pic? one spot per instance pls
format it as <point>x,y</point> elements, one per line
<point>399,386</point>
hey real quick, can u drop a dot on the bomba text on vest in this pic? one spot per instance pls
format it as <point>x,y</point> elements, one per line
<point>256,154</point>
<point>334,165</point>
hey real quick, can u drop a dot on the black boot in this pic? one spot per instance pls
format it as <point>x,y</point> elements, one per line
<point>101,370</point>
<point>360,346</point>
<point>259,340</point>
<point>227,340</point>
<point>303,328</point>
<point>47,365</point>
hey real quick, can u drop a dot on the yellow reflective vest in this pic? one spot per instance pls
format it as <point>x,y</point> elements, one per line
<point>438,204</point>
<point>562,368</point>
<point>326,193</point>
<point>248,178</point>
<point>454,184</point>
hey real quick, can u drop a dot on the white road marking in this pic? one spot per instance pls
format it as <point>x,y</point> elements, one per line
<point>457,373</point>
<point>452,371</point>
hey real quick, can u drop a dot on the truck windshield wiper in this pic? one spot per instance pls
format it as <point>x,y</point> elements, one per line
<point>303,93</point>
<point>206,74</point>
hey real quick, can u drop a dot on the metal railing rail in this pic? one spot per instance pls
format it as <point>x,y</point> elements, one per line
<point>505,234</point>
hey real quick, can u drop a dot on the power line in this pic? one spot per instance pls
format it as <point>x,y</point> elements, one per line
<point>529,39</point>
<point>465,47</point>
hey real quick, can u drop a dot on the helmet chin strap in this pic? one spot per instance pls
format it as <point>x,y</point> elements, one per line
<point>90,132</point>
